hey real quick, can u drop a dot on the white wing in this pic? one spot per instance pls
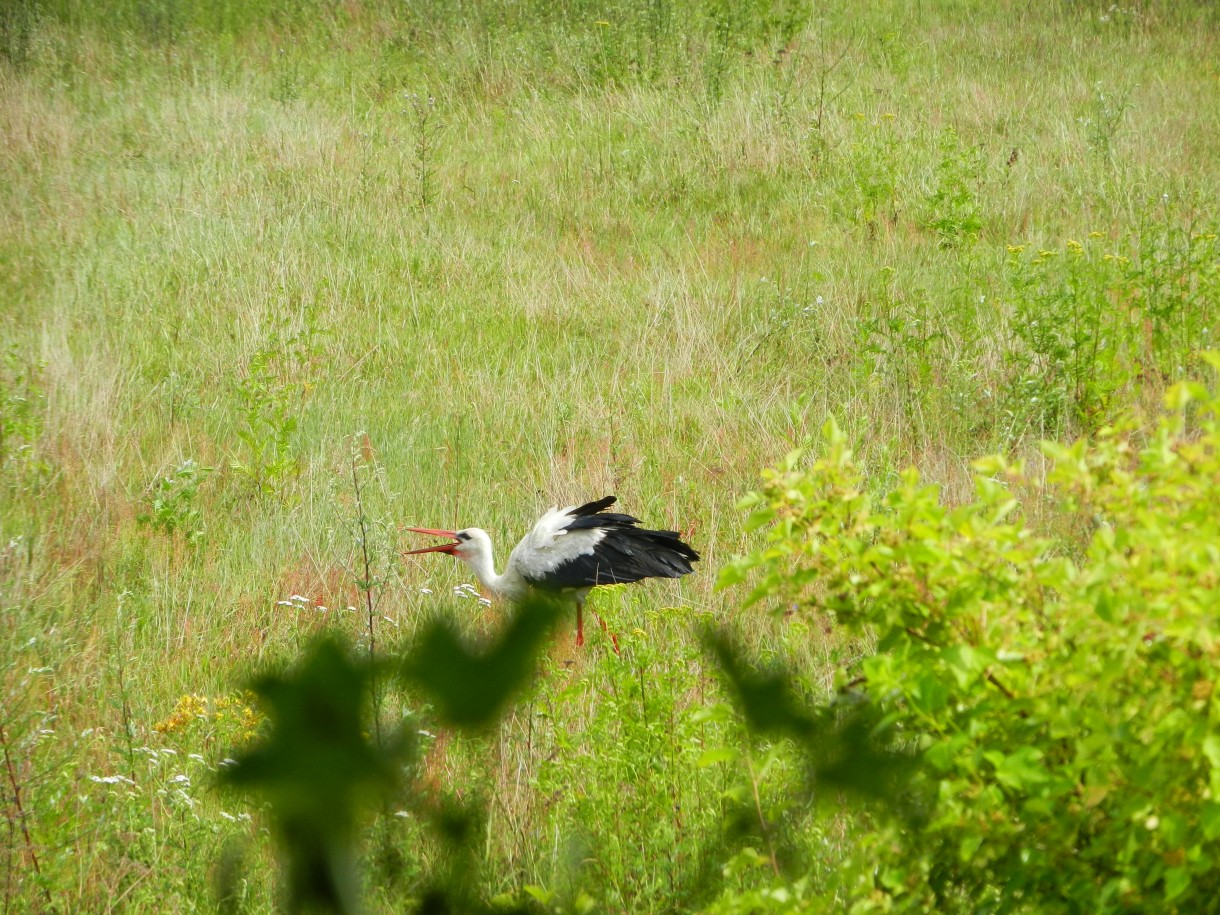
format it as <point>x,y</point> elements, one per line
<point>550,545</point>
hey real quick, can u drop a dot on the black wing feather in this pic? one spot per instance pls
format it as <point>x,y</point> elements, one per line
<point>625,554</point>
<point>592,508</point>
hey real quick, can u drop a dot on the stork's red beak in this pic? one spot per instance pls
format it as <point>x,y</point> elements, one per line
<point>439,548</point>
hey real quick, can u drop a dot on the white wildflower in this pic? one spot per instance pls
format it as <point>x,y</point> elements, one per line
<point>111,779</point>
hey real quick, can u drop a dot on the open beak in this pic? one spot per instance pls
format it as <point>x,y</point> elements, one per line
<point>440,547</point>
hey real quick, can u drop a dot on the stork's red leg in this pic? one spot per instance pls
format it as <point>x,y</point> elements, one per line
<point>580,623</point>
<point>613,637</point>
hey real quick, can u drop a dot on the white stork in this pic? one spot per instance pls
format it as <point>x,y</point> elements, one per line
<point>570,551</point>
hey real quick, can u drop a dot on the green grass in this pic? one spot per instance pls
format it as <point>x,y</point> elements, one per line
<point>514,255</point>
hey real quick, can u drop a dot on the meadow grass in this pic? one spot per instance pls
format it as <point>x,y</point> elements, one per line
<point>501,256</point>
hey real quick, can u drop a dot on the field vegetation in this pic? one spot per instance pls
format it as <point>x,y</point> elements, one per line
<point>279,279</point>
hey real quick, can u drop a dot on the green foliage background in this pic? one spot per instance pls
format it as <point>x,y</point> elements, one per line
<point>1058,690</point>
<point>277,278</point>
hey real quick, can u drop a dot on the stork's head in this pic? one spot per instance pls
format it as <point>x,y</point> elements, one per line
<point>466,545</point>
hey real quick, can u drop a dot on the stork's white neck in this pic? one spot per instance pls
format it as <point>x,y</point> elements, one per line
<point>477,553</point>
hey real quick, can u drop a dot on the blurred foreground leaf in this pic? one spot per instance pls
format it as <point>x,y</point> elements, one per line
<point>846,743</point>
<point>471,688</point>
<point>318,770</point>
<point>766,697</point>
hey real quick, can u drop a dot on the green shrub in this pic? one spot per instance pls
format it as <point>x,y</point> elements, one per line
<point>268,427</point>
<point>1076,328</point>
<point>1059,688</point>
<point>281,374</point>
<point>1098,318</point>
<point>22,404</point>
<point>170,504</point>
<point>953,209</point>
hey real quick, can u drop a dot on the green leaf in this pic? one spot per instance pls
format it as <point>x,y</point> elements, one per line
<point>964,662</point>
<point>760,518</point>
<point>470,686</point>
<point>766,696</point>
<point>1211,749</point>
<point>968,845</point>
<point>717,755</point>
<point>1177,882</point>
<point>1103,606</point>
<point>712,712</point>
<point>1019,770</point>
<point>929,694</point>
<point>831,432</point>
<point>734,572</point>
<point>318,768</point>
<point>540,894</point>
<point>749,501</point>
<point>1181,394</point>
<point>990,465</point>
<point>1209,819</point>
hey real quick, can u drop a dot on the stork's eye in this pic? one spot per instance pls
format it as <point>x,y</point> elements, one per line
<point>462,535</point>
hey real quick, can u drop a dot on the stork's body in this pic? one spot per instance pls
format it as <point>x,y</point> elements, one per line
<point>570,551</point>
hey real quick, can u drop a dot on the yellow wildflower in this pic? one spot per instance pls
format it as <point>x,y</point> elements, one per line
<point>238,708</point>
<point>187,710</point>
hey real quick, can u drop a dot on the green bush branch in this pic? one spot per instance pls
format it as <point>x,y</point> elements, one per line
<point>1060,692</point>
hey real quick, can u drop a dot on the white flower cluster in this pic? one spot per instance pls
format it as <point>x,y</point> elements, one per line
<point>466,589</point>
<point>300,602</point>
